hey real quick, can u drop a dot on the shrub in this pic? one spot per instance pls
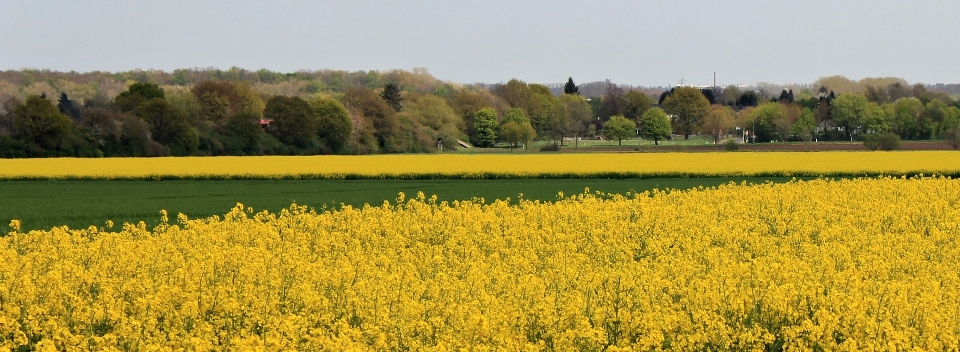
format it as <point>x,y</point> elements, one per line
<point>731,146</point>
<point>881,141</point>
<point>552,147</point>
<point>953,136</point>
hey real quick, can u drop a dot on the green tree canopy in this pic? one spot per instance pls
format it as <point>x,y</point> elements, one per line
<point>935,112</point>
<point>516,93</point>
<point>219,99</point>
<point>485,126</point>
<point>333,125</point>
<point>718,121</point>
<point>213,106</point>
<point>39,121</point>
<point>515,115</point>
<point>805,126</point>
<point>848,111</point>
<point>515,132</point>
<point>578,115</point>
<point>688,107</point>
<point>635,104</point>
<point>294,122</point>
<point>907,114</point>
<point>619,128</point>
<point>244,128</point>
<point>465,104</point>
<point>137,94</point>
<point>377,113</point>
<point>433,111</point>
<point>165,122</point>
<point>611,103</point>
<point>764,119</point>
<point>655,125</point>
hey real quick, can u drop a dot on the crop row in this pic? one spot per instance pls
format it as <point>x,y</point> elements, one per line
<point>492,166</point>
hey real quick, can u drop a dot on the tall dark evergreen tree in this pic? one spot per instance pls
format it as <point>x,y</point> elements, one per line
<point>67,107</point>
<point>391,94</point>
<point>708,93</point>
<point>664,95</point>
<point>786,96</point>
<point>570,87</point>
<point>748,98</point>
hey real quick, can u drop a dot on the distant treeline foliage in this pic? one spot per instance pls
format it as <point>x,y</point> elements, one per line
<point>240,112</point>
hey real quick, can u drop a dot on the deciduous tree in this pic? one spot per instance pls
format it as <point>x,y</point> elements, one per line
<point>688,107</point>
<point>907,118</point>
<point>764,119</point>
<point>515,132</point>
<point>611,103</point>
<point>516,115</point>
<point>485,126</point>
<point>166,123</point>
<point>294,122</point>
<point>465,104</point>
<point>805,126</point>
<point>730,95</point>
<point>380,115</point>
<point>245,132</point>
<point>136,94</point>
<point>848,111</point>
<point>333,123</point>
<point>39,121</point>
<point>433,111</point>
<point>619,128</point>
<point>635,104</point>
<point>579,115</point>
<point>718,121</point>
<point>655,125</point>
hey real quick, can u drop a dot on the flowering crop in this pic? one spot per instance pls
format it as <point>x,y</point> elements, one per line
<point>865,264</point>
<point>625,165</point>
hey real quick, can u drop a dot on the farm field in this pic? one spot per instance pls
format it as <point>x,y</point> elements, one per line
<point>78,204</point>
<point>747,251</point>
<point>854,264</point>
<point>542,165</point>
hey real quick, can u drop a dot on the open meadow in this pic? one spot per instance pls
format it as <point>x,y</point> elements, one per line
<point>399,252</point>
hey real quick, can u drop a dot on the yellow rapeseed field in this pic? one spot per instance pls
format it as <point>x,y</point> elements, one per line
<point>865,264</point>
<point>481,165</point>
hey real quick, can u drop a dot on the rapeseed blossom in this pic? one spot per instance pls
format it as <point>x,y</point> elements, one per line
<point>421,166</point>
<point>865,264</point>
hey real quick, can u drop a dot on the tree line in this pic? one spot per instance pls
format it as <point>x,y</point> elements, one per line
<point>336,112</point>
<point>898,110</point>
<point>413,112</point>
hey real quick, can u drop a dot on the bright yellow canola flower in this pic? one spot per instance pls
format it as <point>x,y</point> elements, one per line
<point>479,165</point>
<point>867,264</point>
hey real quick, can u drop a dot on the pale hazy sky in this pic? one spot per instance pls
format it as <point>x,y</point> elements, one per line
<point>647,43</point>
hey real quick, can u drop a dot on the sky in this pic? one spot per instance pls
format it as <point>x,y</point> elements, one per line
<point>645,43</point>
